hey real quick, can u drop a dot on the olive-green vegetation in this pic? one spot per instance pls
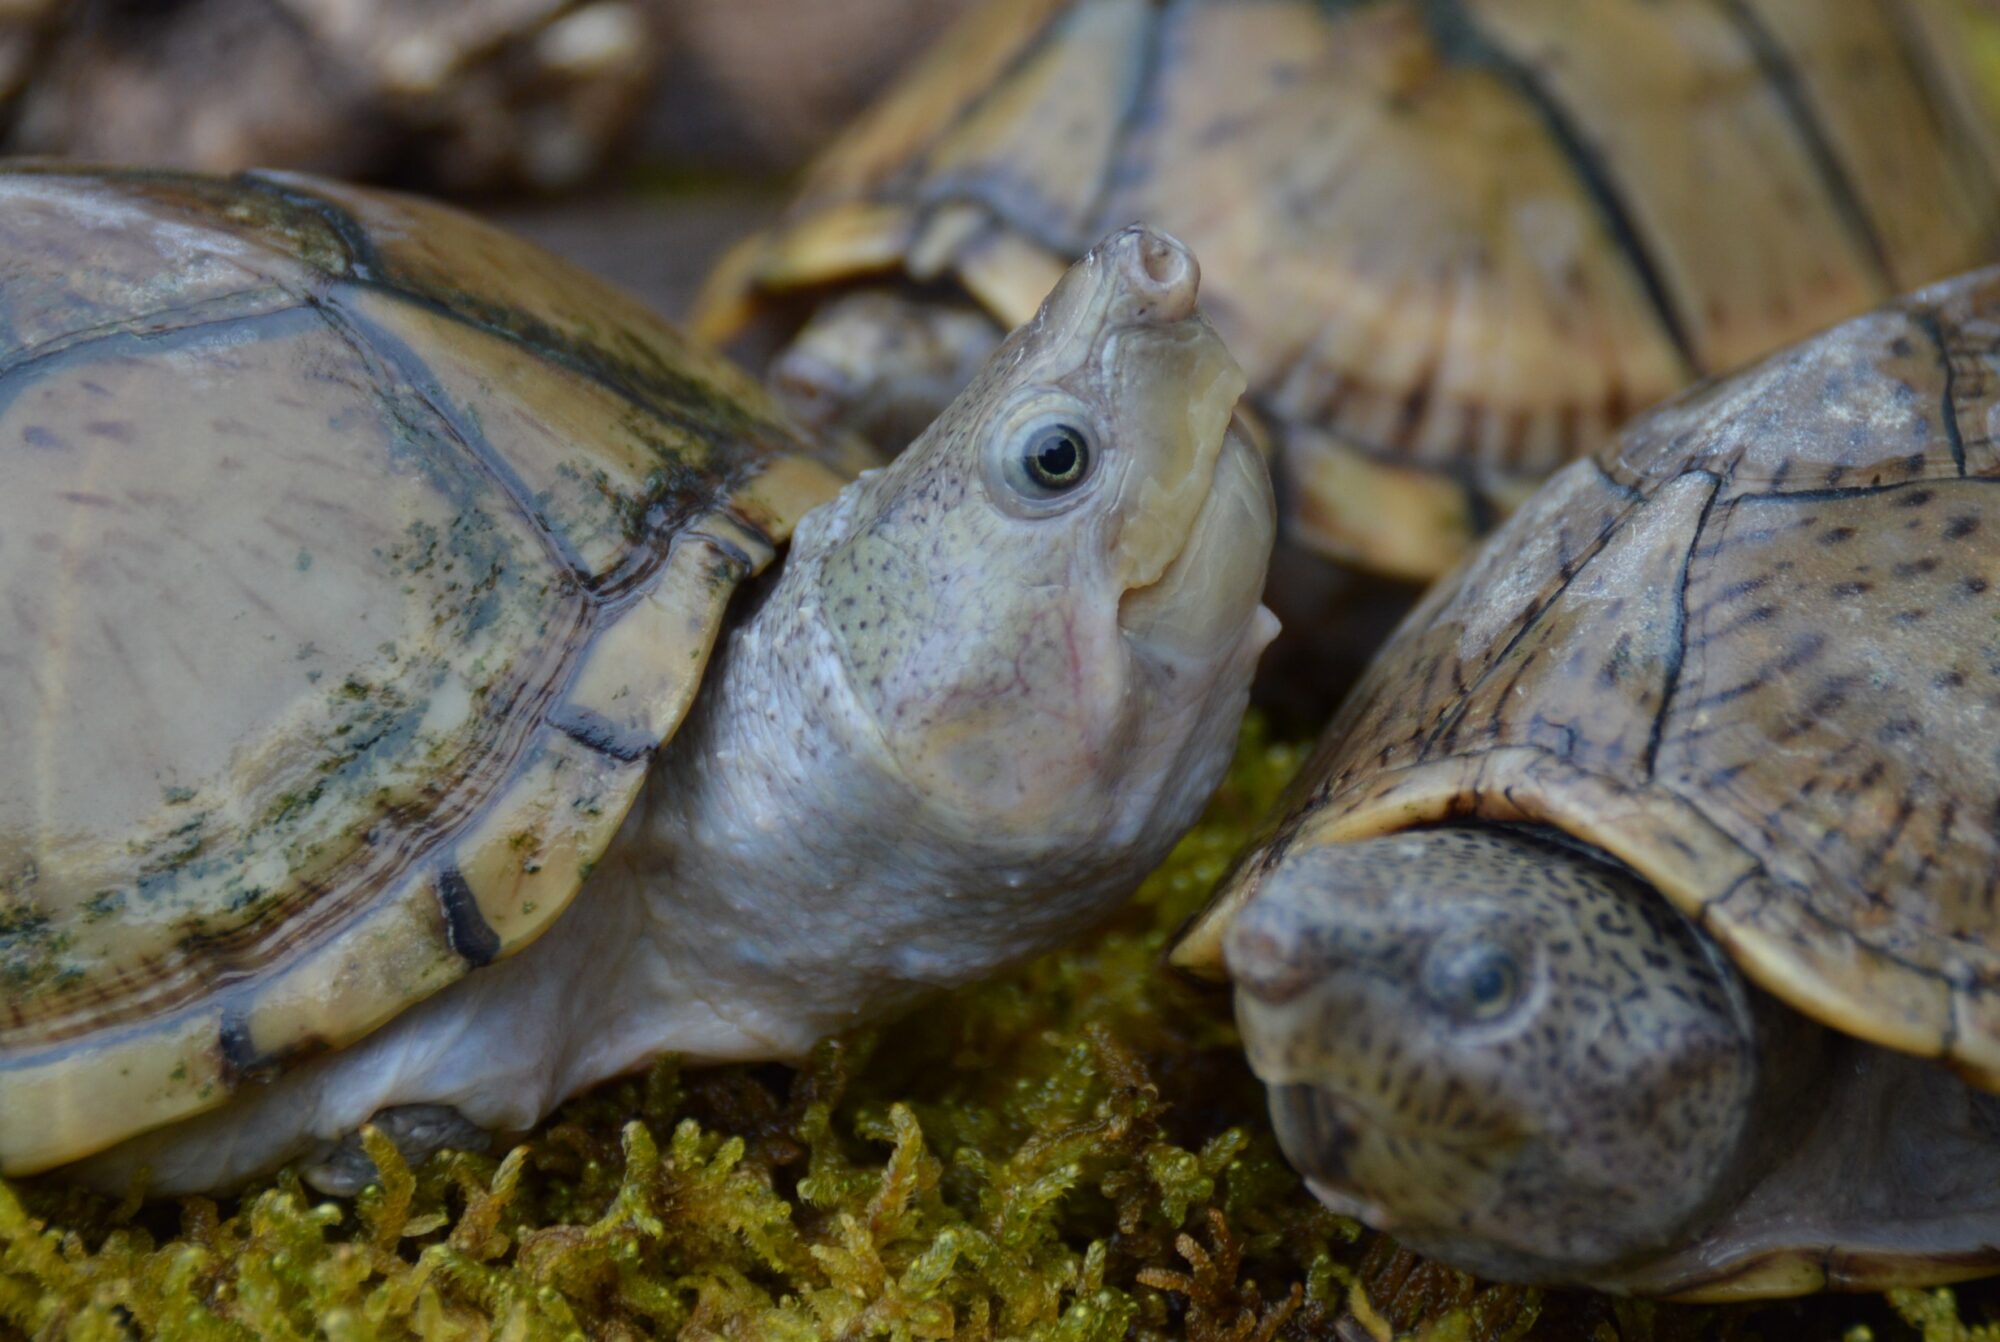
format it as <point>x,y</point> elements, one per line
<point>1074,1153</point>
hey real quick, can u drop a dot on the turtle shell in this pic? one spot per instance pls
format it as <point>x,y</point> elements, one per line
<point>355,558</point>
<point>1752,650</point>
<point>1453,244</point>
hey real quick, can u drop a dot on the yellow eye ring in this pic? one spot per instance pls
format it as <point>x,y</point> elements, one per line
<point>1056,457</point>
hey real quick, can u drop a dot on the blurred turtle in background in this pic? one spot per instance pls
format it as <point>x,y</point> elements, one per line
<point>451,95</point>
<point>448,95</point>
<point>1454,242</point>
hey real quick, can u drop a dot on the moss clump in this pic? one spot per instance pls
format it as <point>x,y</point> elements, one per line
<point>1075,1153</point>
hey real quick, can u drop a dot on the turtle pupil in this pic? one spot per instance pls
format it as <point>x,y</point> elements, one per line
<point>1476,982</point>
<point>1057,457</point>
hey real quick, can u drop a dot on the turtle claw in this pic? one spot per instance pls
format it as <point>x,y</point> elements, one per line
<point>343,1168</point>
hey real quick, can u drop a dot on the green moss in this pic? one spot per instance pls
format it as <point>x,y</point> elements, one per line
<point>1075,1153</point>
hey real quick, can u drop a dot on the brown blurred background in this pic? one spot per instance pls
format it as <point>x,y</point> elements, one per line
<point>636,136</point>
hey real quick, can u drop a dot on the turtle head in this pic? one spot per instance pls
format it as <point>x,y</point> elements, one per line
<point>1505,1052</point>
<point>882,363</point>
<point>1049,603</point>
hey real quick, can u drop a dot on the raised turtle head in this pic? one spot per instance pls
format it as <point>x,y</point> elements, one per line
<point>1503,1051</point>
<point>1049,603</point>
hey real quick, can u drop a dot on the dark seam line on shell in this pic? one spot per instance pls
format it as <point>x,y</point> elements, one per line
<point>1449,722</point>
<point>738,557</point>
<point>631,576</point>
<point>121,339</point>
<point>465,927</point>
<point>1670,682</point>
<point>1961,140</point>
<point>1145,97</point>
<point>765,434</point>
<point>1791,91</point>
<point>1948,402</point>
<point>591,729</point>
<point>1460,39</point>
<point>1860,491</point>
<point>918,163</point>
<point>364,262</point>
<point>917,174</point>
<point>1878,853</point>
<point>369,338</point>
<point>240,1061</point>
<point>1631,493</point>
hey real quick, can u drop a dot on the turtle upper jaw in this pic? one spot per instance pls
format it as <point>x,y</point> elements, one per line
<point>1195,610</point>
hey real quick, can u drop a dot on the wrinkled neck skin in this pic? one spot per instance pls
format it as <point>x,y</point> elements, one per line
<point>966,717</point>
<point>848,860</point>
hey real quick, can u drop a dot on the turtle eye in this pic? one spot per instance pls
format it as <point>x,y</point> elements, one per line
<point>1053,457</point>
<point>1473,982</point>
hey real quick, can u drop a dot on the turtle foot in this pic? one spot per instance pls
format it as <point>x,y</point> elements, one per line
<point>343,1168</point>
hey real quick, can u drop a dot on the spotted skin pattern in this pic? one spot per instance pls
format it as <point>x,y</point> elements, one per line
<point>1751,653</point>
<point>1599,1103</point>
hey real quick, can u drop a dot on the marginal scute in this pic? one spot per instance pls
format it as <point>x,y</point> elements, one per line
<point>1835,713</point>
<point>527,856</point>
<point>358,558</point>
<point>1040,145</point>
<point>1919,196</point>
<point>344,982</point>
<point>1008,274</point>
<point>166,1072</point>
<point>1350,506</point>
<point>1749,659</point>
<point>1461,241</point>
<point>1697,119</point>
<point>644,670</point>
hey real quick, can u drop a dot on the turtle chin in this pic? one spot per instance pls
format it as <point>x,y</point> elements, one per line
<point>1204,606</point>
<point>1445,1194</point>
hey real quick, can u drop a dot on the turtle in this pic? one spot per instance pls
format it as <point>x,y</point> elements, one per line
<point>1633,923</point>
<point>1454,243</point>
<point>458,97</point>
<point>406,722</point>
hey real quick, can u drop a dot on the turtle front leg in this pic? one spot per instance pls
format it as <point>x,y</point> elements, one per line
<point>343,1168</point>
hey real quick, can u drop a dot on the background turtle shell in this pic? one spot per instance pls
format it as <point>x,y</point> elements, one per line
<point>354,559</point>
<point>1752,650</point>
<point>1453,244</point>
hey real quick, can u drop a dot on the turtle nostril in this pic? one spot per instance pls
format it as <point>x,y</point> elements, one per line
<point>1260,965</point>
<point>1162,260</point>
<point>1263,953</point>
<point>1165,272</point>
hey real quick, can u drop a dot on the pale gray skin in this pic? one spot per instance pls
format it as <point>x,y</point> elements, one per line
<point>1517,1057</point>
<point>961,723</point>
